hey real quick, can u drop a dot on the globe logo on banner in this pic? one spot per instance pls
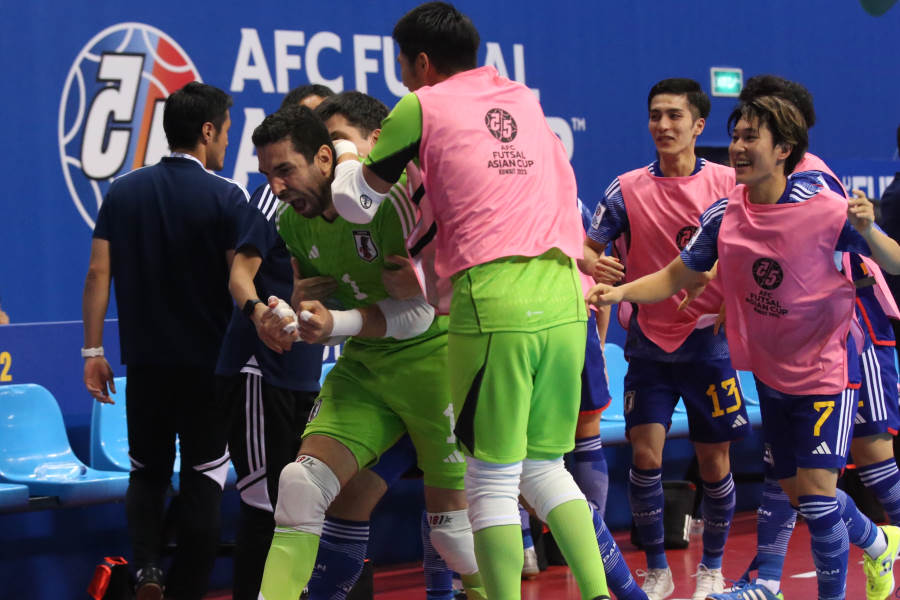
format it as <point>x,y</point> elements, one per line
<point>111,110</point>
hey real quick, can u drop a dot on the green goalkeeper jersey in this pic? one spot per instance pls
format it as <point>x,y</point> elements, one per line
<point>354,255</point>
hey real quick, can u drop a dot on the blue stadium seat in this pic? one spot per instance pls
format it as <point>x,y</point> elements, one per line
<point>109,433</point>
<point>36,451</point>
<point>612,420</point>
<point>13,497</point>
<point>109,438</point>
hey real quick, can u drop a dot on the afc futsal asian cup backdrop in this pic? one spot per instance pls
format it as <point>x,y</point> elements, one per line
<point>85,84</point>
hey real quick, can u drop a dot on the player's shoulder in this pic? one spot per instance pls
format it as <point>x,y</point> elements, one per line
<point>714,213</point>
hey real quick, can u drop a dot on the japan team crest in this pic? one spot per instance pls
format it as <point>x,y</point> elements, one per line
<point>365,246</point>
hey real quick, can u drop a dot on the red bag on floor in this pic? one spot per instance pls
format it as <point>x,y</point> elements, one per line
<point>111,580</point>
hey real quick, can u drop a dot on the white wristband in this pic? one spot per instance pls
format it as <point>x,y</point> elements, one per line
<point>344,147</point>
<point>91,352</point>
<point>346,322</point>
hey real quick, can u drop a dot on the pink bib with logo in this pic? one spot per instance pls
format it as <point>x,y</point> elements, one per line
<point>663,215</point>
<point>498,179</point>
<point>789,309</point>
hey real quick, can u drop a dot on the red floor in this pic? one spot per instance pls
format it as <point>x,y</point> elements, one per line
<point>556,583</point>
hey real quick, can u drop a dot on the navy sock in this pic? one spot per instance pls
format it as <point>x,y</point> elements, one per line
<point>342,551</point>
<point>830,544</point>
<point>438,577</point>
<point>647,501</point>
<point>860,530</point>
<point>590,471</point>
<point>618,576</point>
<point>775,520</point>
<point>717,508</point>
<point>884,480</point>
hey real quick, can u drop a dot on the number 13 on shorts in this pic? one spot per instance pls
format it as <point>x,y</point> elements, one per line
<point>731,396</point>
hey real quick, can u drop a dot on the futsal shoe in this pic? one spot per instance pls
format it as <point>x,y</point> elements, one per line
<point>880,571</point>
<point>530,568</point>
<point>149,584</point>
<point>709,581</point>
<point>747,591</point>
<point>658,583</point>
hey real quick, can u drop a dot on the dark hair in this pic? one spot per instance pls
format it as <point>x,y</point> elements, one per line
<point>680,86</point>
<point>783,119</point>
<point>361,110</point>
<point>446,35</point>
<point>306,131</point>
<point>187,109</point>
<point>773,85</point>
<point>299,94</point>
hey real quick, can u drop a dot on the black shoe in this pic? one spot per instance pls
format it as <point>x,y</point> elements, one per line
<point>149,584</point>
<point>601,597</point>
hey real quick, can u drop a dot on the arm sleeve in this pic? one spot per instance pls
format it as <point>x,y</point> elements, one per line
<point>702,252</point>
<point>610,219</point>
<point>249,226</point>
<point>398,143</point>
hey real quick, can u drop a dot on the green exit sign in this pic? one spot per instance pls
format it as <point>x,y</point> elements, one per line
<point>726,81</point>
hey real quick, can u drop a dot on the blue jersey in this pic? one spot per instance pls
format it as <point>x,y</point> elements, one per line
<point>610,223</point>
<point>702,252</point>
<point>297,369</point>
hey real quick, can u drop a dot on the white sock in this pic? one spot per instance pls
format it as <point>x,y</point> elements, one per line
<point>773,585</point>
<point>878,546</point>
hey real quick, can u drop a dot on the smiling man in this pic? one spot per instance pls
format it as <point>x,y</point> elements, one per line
<point>652,212</point>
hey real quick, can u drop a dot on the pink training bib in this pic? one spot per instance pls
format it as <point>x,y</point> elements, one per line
<point>663,215</point>
<point>499,181</point>
<point>788,308</point>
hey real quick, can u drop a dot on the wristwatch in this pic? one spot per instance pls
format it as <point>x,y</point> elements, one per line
<point>249,306</point>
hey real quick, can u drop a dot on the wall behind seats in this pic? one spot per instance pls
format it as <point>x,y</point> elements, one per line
<point>82,84</point>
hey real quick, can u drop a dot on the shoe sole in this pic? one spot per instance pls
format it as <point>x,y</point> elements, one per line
<point>149,591</point>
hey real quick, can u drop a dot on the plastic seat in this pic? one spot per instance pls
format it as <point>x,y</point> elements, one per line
<point>13,497</point>
<point>109,438</point>
<point>616,367</point>
<point>36,451</point>
<point>109,432</point>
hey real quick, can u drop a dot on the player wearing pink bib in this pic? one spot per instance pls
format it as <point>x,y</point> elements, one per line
<point>649,214</point>
<point>789,316</point>
<point>878,415</point>
<point>507,233</point>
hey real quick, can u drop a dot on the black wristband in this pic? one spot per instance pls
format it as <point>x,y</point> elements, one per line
<point>249,306</point>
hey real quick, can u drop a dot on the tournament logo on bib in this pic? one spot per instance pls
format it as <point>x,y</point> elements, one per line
<point>684,236</point>
<point>501,125</point>
<point>111,110</point>
<point>767,273</point>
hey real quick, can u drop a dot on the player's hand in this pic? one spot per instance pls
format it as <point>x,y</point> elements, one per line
<point>270,326</point>
<point>310,288</point>
<point>720,320</point>
<point>697,289</point>
<point>316,322</point>
<point>608,269</point>
<point>860,212</point>
<point>400,283</point>
<point>604,294</point>
<point>97,376</point>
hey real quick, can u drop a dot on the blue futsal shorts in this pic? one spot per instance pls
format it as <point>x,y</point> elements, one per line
<point>878,403</point>
<point>711,391</point>
<point>808,431</point>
